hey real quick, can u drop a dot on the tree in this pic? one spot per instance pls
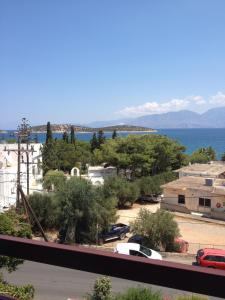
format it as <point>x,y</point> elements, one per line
<point>65,137</point>
<point>45,208</point>
<point>144,155</point>
<point>94,142</point>
<point>101,138</point>
<point>83,210</point>
<point>48,133</point>
<point>159,229</point>
<point>125,192</point>
<point>223,157</point>
<point>24,130</point>
<point>49,156</point>
<point>53,180</point>
<point>202,155</point>
<point>72,135</point>
<point>114,134</point>
<point>151,185</point>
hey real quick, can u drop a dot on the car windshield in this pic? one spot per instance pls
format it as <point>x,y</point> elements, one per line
<point>145,250</point>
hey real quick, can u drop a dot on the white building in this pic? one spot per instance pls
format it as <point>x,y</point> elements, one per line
<point>8,172</point>
<point>95,174</point>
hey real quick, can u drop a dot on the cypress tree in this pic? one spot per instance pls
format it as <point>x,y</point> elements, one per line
<point>94,142</point>
<point>101,138</point>
<point>114,135</point>
<point>72,135</point>
<point>49,133</point>
<point>65,137</point>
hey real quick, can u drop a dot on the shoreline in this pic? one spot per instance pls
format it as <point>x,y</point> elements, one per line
<point>124,131</point>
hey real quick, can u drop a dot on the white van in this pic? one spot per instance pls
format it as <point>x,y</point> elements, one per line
<point>137,250</point>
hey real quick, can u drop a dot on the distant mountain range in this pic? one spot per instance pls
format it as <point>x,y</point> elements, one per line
<point>212,118</point>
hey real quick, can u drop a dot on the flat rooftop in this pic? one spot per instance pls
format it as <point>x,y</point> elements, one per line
<point>197,183</point>
<point>213,168</point>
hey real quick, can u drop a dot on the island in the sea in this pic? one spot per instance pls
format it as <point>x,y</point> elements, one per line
<point>77,128</point>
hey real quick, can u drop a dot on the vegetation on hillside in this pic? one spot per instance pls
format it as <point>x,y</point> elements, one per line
<point>78,128</point>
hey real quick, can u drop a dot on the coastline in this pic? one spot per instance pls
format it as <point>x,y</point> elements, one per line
<point>124,131</point>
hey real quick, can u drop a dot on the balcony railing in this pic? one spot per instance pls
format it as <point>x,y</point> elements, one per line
<point>173,275</point>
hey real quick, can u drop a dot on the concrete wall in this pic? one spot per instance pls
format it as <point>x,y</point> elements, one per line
<point>192,201</point>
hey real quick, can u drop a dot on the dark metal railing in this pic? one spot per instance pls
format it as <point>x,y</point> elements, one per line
<point>173,275</point>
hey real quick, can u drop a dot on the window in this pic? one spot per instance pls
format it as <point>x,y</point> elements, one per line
<point>181,199</point>
<point>215,258</point>
<point>205,202</point>
<point>136,253</point>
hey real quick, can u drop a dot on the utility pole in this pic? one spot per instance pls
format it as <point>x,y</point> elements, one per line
<point>22,136</point>
<point>18,173</point>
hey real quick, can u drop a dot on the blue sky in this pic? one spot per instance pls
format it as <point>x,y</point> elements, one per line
<point>77,61</point>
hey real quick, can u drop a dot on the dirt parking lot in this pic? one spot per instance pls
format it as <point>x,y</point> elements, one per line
<point>198,233</point>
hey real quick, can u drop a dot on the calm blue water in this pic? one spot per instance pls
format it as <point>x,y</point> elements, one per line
<point>191,138</point>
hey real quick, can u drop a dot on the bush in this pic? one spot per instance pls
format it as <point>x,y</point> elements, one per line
<point>25,292</point>
<point>15,225</point>
<point>159,229</point>
<point>139,293</point>
<point>192,297</point>
<point>102,289</point>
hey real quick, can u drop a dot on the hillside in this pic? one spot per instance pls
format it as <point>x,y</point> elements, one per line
<point>66,127</point>
<point>212,118</point>
<point>123,128</point>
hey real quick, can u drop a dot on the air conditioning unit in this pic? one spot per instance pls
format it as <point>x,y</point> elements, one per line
<point>209,181</point>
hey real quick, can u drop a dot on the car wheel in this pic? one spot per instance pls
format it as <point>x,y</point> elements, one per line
<point>122,236</point>
<point>211,267</point>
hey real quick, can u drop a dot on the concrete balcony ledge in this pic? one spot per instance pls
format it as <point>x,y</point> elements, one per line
<point>163,273</point>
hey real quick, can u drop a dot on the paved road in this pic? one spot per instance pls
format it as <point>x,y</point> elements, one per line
<point>56,283</point>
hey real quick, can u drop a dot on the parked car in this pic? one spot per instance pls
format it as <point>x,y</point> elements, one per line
<point>137,250</point>
<point>115,231</point>
<point>150,198</point>
<point>180,245</point>
<point>211,258</point>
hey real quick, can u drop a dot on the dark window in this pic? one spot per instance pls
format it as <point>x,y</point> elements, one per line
<point>208,202</point>
<point>205,202</point>
<point>215,258</point>
<point>210,258</point>
<point>181,199</point>
<point>136,253</point>
<point>201,201</point>
<point>221,259</point>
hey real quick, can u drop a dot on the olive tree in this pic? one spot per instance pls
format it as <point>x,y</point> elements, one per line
<point>83,210</point>
<point>159,229</point>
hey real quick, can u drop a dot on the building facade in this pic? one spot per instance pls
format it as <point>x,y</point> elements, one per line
<point>8,172</point>
<point>200,189</point>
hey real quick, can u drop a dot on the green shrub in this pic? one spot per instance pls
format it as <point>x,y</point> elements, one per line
<point>191,297</point>
<point>25,292</point>
<point>101,290</point>
<point>139,293</point>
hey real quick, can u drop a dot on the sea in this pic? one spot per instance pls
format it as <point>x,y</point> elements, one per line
<point>192,139</point>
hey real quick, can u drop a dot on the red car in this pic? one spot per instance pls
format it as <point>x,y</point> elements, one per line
<point>211,258</point>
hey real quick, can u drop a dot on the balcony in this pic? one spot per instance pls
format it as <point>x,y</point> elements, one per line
<point>166,274</point>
